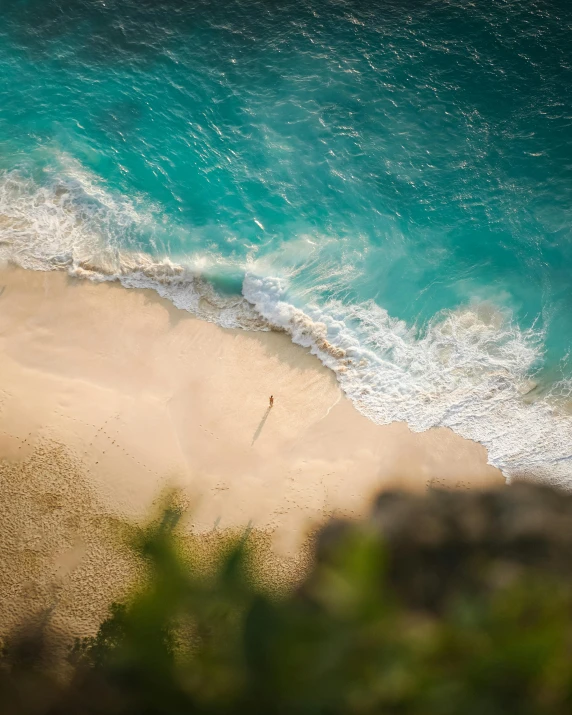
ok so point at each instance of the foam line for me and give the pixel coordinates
(471, 370)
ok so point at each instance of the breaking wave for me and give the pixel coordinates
(471, 370)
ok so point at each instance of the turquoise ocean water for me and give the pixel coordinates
(390, 182)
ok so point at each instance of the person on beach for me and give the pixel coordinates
(271, 400)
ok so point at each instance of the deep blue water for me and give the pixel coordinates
(400, 172)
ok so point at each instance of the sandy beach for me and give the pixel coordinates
(109, 395)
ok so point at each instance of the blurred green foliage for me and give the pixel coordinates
(358, 635)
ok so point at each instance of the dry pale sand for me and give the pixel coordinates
(109, 395)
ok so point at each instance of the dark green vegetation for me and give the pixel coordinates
(451, 603)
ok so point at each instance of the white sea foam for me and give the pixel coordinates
(470, 370)
(70, 223)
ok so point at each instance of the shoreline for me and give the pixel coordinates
(141, 395)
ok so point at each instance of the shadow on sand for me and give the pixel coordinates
(261, 425)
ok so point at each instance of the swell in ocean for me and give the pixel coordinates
(471, 369)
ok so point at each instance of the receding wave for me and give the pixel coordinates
(471, 370)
